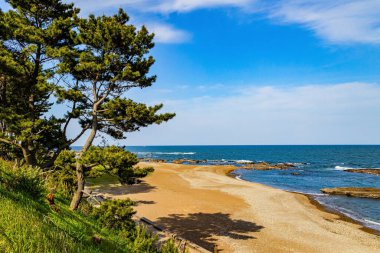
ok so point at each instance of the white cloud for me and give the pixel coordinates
(188, 5)
(314, 114)
(160, 5)
(168, 34)
(339, 21)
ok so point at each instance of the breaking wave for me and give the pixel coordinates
(347, 168)
(166, 153)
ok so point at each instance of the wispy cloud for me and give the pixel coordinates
(189, 5)
(166, 6)
(168, 34)
(165, 33)
(347, 113)
(339, 21)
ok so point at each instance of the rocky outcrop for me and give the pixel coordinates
(268, 166)
(365, 171)
(188, 161)
(373, 193)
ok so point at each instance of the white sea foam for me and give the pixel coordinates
(349, 213)
(316, 194)
(372, 222)
(243, 161)
(217, 161)
(165, 153)
(348, 168)
(297, 164)
(343, 168)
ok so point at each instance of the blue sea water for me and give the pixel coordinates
(318, 167)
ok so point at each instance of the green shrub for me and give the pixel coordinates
(169, 247)
(115, 214)
(85, 208)
(25, 179)
(96, 171)
(63, 178)
(141, 240)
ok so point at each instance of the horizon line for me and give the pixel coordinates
(241, 145)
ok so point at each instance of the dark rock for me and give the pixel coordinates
(268, 166)
(179, 161)
(365, 171)
(187, 161)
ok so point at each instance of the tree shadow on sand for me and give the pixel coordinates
(145, 202)
(117, 189)
(200, 227)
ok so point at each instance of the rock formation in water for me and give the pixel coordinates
(373, 193)
(268, 166)
(365, 171)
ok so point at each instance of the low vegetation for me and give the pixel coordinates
(28, 223)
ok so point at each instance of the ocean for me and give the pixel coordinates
(317, 167)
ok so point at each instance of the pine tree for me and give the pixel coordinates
(110, 58)
(31, 33)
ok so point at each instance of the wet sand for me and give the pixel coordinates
(202, 204)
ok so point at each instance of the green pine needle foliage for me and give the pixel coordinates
(116, 214)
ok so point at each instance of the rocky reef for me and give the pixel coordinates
(365, 171)
(373, 193)
(268, 166)
(188, 161)
(249, 165)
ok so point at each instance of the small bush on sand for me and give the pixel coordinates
(170, 247)
(141, 240)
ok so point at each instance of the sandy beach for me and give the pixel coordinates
(204, 205)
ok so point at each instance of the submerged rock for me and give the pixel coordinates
(373, 193)
(365, 171)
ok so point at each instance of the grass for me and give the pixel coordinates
(103, 180)
(28, 224)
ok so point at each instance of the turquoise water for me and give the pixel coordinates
(318, 167)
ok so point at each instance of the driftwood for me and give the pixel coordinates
(94, 199)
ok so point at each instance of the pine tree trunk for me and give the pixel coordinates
(80, 187)
(79, 167)
(29, 156)
(79, 170)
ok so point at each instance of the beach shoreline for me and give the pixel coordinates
(205, 205)
(317, 204)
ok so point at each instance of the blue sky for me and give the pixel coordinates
(259, 72)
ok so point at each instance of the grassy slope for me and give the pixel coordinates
(28, 225)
